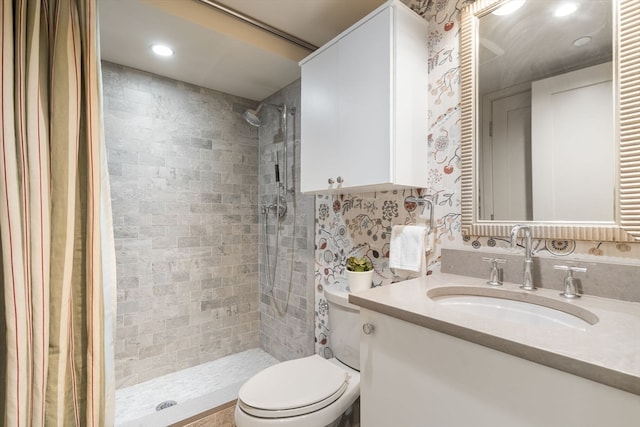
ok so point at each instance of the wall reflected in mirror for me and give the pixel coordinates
(545, 97)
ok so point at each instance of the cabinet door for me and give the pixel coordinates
(346, 110)
(393, 389)
(320, 147)
(364, 97)
(412, 376)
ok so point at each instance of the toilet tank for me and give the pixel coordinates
(344, 327)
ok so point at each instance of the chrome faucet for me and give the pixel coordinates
(494, 278)
(527, 280)
(569, 281)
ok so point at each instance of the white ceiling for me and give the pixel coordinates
(219, 52)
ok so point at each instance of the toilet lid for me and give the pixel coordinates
(293, 388)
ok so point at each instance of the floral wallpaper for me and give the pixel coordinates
(360, 224)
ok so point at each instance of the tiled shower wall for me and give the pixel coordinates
(289, 334)
(183, 167)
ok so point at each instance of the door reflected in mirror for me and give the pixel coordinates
(546, 119)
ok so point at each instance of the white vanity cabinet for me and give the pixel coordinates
(412, 376)
(364, 106)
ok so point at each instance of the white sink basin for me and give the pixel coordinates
(513, 306)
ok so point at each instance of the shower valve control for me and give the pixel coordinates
(339, 180)
(330, 181)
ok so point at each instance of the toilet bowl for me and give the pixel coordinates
(310, 391)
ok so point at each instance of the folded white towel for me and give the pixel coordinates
(407, 250)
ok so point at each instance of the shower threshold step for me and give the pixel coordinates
(195, 390)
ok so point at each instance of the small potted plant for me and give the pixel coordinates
(359, 273)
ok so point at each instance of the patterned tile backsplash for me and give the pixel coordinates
(360, 224)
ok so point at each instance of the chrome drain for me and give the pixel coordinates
(166, 404)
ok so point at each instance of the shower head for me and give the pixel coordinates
(251, 116)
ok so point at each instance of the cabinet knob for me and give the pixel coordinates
(368, 328)
(330, 181)
(339, 180)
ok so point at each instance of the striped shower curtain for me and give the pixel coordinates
(56, 252)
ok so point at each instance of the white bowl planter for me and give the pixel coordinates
(359, 280)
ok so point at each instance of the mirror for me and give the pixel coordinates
(550, 121)
(545, 108)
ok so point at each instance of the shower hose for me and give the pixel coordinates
(271, 277)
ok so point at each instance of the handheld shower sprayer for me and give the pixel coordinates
(279, 205)
(253, 118)
(283, 125)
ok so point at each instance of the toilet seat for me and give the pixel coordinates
(293, 388)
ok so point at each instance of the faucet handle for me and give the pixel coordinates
(494, 278)
(569, 281)
(494, 260)
(570, 269)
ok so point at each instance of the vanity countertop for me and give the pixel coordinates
(607, 352)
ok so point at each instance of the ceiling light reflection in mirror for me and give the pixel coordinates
(545, 113)
(565, 9)
(509, 7)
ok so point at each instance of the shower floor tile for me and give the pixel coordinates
(195, 390)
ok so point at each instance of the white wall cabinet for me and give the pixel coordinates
(364, 106)
(414, 377)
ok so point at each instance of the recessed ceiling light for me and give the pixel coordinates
(509, 7)
(162, 50)
(581, 41)
(565, 9)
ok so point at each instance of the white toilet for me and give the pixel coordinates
(311, 391)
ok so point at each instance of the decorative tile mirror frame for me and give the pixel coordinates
(626, 60)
